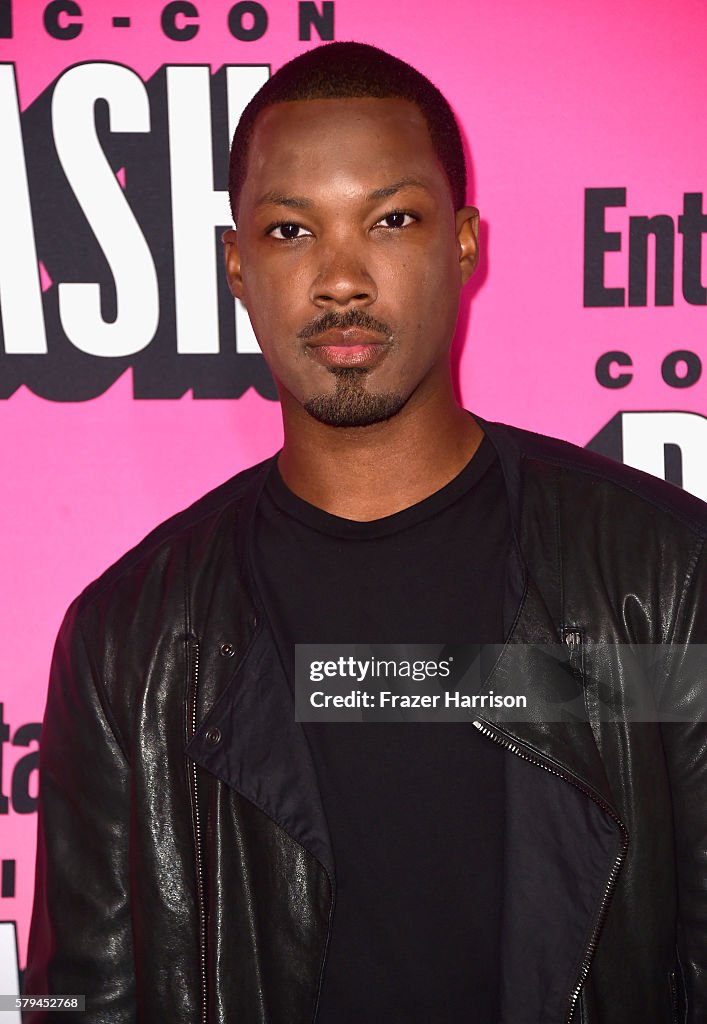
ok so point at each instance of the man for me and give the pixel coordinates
(202, 855)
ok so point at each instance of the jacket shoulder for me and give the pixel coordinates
(585, 472)
(203, 515)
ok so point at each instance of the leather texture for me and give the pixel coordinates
(184, 869)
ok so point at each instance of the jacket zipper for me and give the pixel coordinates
(573, 640)
(673, 997)
(677, 977)
(198, 846)
(326, 950)
(498, 736)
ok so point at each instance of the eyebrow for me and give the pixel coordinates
(301, 203)
(277, 199)
(390, 190)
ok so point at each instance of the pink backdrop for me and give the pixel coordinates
(555, 99)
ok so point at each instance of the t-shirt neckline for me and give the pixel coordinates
(324, 522)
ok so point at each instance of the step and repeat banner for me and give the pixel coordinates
(130, 381)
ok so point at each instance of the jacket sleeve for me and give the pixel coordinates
(80, 940)
(685, 743)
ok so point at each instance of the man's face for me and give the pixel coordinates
(349, 256)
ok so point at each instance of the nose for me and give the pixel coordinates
(343, 278)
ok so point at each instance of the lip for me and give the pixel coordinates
(348, 347)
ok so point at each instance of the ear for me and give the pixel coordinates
(467, 223)
(232, 261)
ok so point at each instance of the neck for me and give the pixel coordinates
(365, 473)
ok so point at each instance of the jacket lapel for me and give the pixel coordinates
(263, 753)
(260, 750)
(563, 843)
(535, 663)
(534, 659)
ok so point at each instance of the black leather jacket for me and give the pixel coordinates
(184, 870)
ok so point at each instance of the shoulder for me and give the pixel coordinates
(629, 548)
(214, 514)
(596, 481)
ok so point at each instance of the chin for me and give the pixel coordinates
(351, 405)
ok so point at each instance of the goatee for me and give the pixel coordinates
(351, 405)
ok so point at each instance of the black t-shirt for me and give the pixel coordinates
(415, 809)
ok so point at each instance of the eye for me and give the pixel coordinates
(397, 219)
(288, 232)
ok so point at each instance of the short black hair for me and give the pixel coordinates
(353, 71)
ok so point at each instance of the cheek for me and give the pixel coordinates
(273, 291)
(420, 271)
(422, 290)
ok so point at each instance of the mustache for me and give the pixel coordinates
(332, 320)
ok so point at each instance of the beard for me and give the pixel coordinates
(351, 405)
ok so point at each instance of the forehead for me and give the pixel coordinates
(320, 143)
